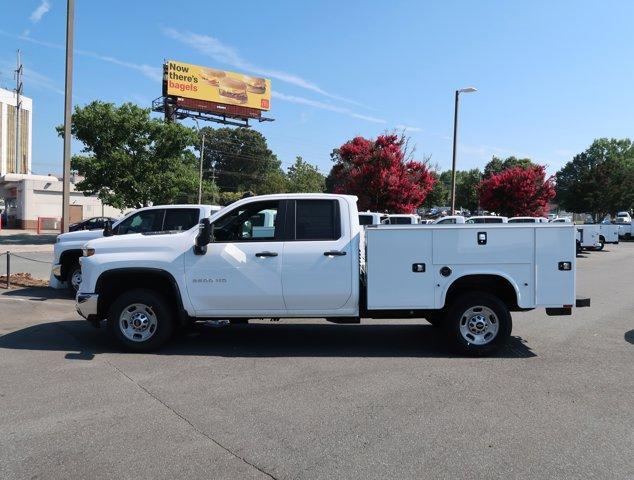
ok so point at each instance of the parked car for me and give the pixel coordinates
(372, 218)
(94, 223)
(449, 219)
(402, 219)
(623, 217)
(68, 246)
(487, 219)
(561, 220)
(467, 279)
(528, 220)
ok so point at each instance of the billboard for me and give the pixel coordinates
(219, 86)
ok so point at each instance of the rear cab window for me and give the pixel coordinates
(317, 220)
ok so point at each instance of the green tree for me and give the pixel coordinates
(241, 160)
(497, 165)
(467, 182)
(304, 177)
(599, 180)
(129, 159)
(440, 194)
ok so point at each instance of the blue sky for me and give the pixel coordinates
(551, 76)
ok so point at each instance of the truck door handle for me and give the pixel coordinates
(334, 253)
(266, 254)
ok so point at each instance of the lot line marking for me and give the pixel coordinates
(186, 420)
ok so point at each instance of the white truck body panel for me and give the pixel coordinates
(527, 256)
(610, 232)
(589, 235)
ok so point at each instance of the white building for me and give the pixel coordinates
(25, 197)
(29, 197)
(8, 102)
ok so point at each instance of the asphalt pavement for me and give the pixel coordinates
(309, 399)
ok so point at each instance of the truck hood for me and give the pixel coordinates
(138, 242)
(80, 235)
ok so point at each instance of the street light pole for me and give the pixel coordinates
(455, 143)
(200, 178)
(68, 105)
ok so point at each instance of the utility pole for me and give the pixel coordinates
(18, 109)
(455, 144)
(68, 105)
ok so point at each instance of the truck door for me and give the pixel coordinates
(318, 256)
(240, 274)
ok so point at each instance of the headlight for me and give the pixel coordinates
(88, 252)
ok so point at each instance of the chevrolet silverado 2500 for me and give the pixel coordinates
(316, 261)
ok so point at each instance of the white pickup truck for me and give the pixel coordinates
(67, 250)
(317, 261)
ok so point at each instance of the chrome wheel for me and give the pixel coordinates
(138, 322)
(479, 325)
(75, 279)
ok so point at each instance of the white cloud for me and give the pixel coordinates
(40, 11)
(214, 48)
(408, 128)
(324, 106)
(153, 73)
(32, 78)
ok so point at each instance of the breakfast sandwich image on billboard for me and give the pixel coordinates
(212, 76)
(233, 89)
(255, 84)
(219, 86)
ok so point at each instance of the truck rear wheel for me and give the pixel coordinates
(478, 323)
(601, 243)
(140, 321)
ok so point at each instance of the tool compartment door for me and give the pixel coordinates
(400, 274)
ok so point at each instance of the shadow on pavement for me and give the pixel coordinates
(38, 293)
(26, 239)
(259, 340)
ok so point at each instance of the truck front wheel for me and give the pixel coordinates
(140, 321)
(478, 323)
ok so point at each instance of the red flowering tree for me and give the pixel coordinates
(377, 172)
(517, 191)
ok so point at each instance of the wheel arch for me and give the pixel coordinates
(112, 283)
(498, 284)
(66, 259)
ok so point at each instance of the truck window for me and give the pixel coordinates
(180, 218)
(317, 220)
(142, 222)
(400, 221)
(249, 223)
(365, 219)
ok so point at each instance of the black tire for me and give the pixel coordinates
(73, 271)
(578, 247)
(601, 244)
(456, 316)
(157, 310)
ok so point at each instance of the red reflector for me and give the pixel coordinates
(567, 306)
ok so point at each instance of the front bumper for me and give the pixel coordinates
(86, 305)
(57, 271)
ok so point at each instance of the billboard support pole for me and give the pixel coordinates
(200, 178)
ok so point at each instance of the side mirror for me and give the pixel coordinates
(204, 237)
(107, 231)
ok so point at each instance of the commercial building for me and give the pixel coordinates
(29, 197)
(25, 197)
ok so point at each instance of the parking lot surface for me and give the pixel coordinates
(309, 399)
